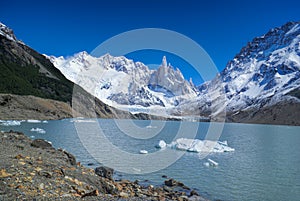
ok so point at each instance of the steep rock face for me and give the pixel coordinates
(268, 66)
(7, 33)
(171, 80)
(26, 72)
(31, 107)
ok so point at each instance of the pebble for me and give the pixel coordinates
(124, 195)
(4, 174)
(41, 186)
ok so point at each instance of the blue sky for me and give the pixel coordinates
(222, 28)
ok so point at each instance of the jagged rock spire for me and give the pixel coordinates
(164, 61)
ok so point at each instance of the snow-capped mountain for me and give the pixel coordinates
(264, 73)
(8, 33)
(123, 83)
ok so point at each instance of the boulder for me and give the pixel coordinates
(40, 143)
(193, 192)
(105, 172)
(171, 182)
(71, 158)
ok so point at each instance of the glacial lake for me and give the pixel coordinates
(264, 166)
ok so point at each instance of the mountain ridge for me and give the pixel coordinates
(121, 82)
(32, 87)
(259, 77)
(258, 85)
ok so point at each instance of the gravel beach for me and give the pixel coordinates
(34, 170)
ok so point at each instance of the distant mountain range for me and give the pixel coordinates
(27, 75)
(125, 84)
(261, 84)
(265, 74)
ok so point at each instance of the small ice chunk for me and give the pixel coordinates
(38, 130)
(85, 121)
(33, 121)
(161, 144)
(136, 170)
(225, 143)
(149, 126)
(143, 151)
(212, 163)
(45, 121)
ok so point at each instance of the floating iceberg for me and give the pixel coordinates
(149, 126)
(212, 163)
(143, 151)
(38, 130)
(45, 122)
(33, 121)
(81, 120)
(10, 123)
(195, 145)
(161, 144)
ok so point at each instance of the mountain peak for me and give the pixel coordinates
(267, 66)
(7, 32)
(262, 48)
(164, 61)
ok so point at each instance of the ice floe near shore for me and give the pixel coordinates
(196, 145)
(18, 122)
(38, 130)
(33, 121)
(10, 123)
(82, 120)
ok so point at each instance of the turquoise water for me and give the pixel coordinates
(264, 166)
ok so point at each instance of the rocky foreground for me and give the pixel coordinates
(33, 169)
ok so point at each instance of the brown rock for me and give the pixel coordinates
(21, 163)
(71, 158)
(40, 143)
(193, 192)
(19, 156)
(105, 172)
(4, 174)
(45, 174)
(171, 182)
(124, 195)
(92, 193)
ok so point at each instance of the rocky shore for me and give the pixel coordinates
(34, 170)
